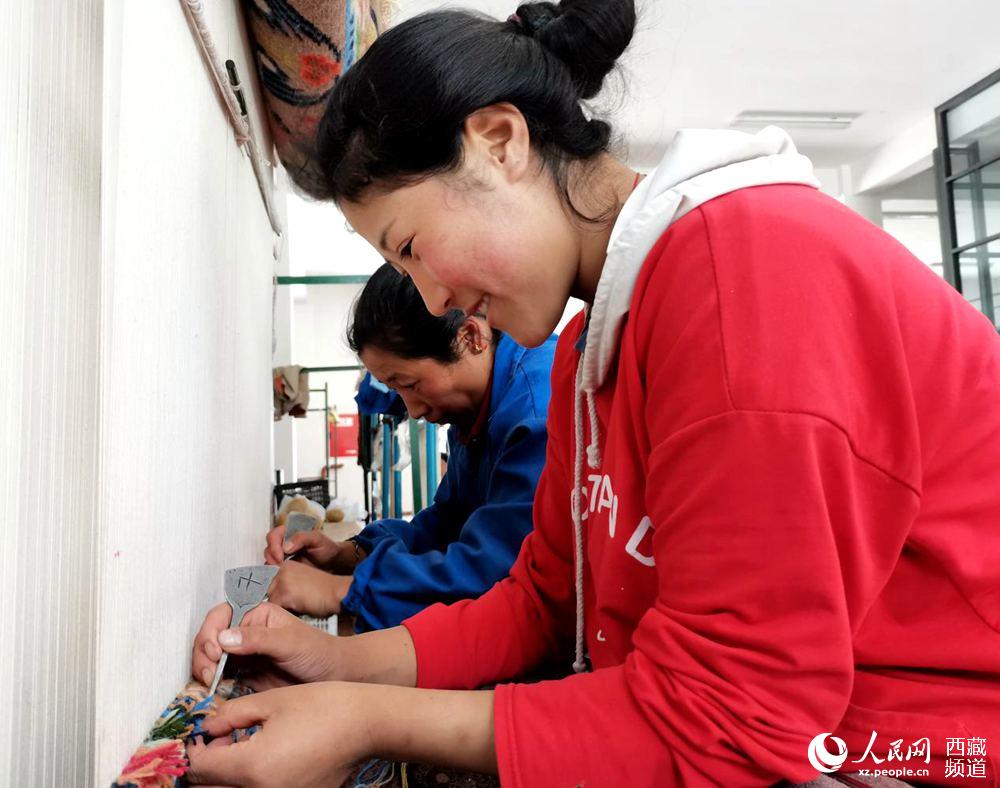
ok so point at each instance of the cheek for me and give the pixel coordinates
(438, 396)
(444, 271)
(470, 253)
(496, 267)
(442, 259)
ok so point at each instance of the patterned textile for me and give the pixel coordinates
(161, 760)
(301, 47)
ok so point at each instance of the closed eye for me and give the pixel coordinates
(397, 268)
(407, 251)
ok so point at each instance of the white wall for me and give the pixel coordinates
(135, 309)
(321, 242)
(186, 344)
(50, 146)
(320, 321)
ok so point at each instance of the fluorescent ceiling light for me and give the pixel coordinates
(800, 120)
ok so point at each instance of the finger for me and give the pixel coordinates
(203, 670)
(221, 741)
(275, 643)
(296, 542)
(273, 553)
(261, 682)
(220, 766)
(307, 540)
(206, 652)
(239, 713)
(279, 593)
(266, 614)
(199, 666)
(204, 658)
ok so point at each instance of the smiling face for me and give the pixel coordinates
(492, 238)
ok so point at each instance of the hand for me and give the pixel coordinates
(289, 650)
(312, 548)
(306, 589)
(309, 736)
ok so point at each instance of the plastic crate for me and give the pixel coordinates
(314, 489)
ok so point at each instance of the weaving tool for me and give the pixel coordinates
(246, 587)
(297, 523)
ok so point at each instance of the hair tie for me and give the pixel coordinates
(516, 20)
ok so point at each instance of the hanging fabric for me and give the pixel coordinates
(302, 46)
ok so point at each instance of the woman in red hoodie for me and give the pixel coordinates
(766, 537)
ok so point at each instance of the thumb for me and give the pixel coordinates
(303, 540)
(266, 641)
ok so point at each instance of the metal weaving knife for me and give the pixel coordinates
(246, 587)
(297, 523)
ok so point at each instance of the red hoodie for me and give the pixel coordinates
(794, 529)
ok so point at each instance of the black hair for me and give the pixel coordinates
(390, 315)
(396, 116)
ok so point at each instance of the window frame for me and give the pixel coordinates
(951, 250)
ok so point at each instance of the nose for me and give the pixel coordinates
(437, 298)
(414, 406)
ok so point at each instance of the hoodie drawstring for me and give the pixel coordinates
(579, 664)
(576, 496)
(594, 449)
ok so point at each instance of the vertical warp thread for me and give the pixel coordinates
(50, 85)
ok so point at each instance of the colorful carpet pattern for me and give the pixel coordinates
(161, 760)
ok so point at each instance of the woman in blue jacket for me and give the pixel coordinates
(494, 393)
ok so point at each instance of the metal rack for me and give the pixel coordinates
(326, 435)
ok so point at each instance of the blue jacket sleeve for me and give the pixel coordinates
(394, 583)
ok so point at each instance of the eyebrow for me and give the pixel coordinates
(384, 240)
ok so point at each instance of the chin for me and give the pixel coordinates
(532, 339)
(523, 333)
(530, 335)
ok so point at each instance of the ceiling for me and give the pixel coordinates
(701, 62)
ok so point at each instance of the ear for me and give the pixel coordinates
(474, 335)
(498, 136)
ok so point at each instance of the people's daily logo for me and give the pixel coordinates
(965, 757)
(821, 758)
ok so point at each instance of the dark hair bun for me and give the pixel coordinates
(587, 35)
